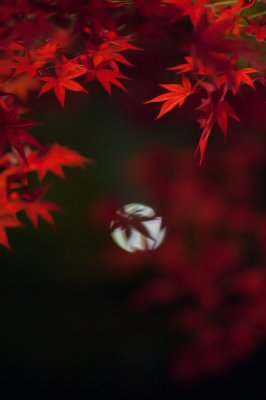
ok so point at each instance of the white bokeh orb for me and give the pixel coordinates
(136, 227)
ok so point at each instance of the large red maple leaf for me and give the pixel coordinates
(65, 72)
(176, 95)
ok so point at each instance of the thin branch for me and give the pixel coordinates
(256, 15)
(221, 3)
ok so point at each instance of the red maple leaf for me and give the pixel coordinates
(236, 77)
(53, 159)
(48, 51)
(222, 112)
(65, 71)
(34, 206)
(13, 131)
(195, 10)
(213, 110)
(186, 67)
(122, 43)
(110, 50)
(176, 95)
(191, 65)
(24, 64)
(37, 207)
(108, 76)
(7, 221)
(103, 73)
(258, 29)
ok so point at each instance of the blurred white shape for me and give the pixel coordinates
(136, 227)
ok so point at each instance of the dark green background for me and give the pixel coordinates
(66, 328)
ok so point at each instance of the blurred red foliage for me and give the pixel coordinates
(211, 268)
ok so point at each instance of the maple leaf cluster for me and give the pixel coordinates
(16, 193)
(22, 154)
(63, 45)
(219, 62)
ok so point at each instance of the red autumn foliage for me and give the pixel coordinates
(16, 195)
(64, 45)
(65, 72)
(176, 95)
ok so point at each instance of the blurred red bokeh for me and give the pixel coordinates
(211, 267)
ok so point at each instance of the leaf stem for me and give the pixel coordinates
(256, 15)
(221, 3)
